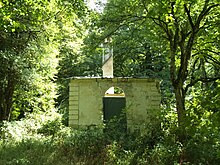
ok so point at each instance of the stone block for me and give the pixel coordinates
(74, 117)
(73, 122)
(74, 112)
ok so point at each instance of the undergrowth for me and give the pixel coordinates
(42, 139)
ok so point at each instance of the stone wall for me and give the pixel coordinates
(86, 100)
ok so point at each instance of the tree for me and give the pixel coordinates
(186, 30)
(30, 37)
(21, 23)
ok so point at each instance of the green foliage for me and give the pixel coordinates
(169, 40)
(72, 61)
(23, 80)
(33, 34)
(51, 127)
(47, 41)
(27, 58)
(203, 147)
(27, 152)
(38, 123)
(42, 139)
(203, 125)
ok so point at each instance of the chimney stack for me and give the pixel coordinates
(107, 59)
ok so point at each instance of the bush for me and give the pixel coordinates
(203, 146)
(30, 140)
(35, 125)
(42, 139)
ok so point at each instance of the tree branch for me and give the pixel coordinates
(212, 59)
(204, 12)
(145, 7)
(189, 16)
(204, 80)
(209, 50)
(163, 25)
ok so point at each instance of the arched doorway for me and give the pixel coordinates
(114, 103)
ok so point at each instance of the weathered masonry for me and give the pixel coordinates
(86, 100)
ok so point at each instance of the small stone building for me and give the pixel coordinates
(86, 100)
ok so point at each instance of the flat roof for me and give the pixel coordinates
(115, 78)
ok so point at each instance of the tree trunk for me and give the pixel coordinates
(9, 96)
(3, 113)
(5, 109)
(6, 99)
(180, 107)
(2, 107)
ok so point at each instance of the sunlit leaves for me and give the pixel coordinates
(23, 15)
(31, 35)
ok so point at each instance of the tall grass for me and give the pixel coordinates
(42, 139)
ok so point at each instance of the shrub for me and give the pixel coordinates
(32, 126)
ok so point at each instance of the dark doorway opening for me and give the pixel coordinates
(114, 115)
